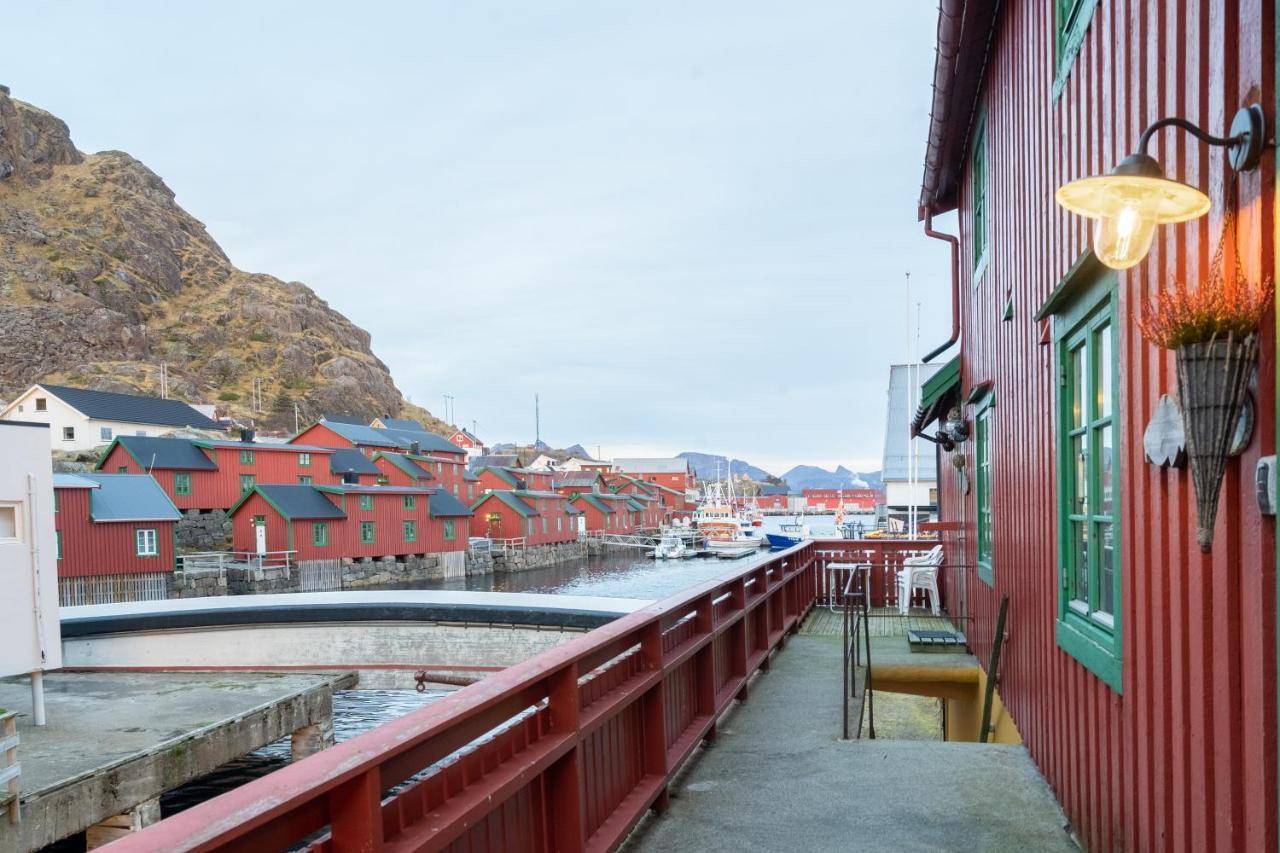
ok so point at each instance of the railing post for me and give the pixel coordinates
(655, 714)
(355, 814)
(740, 637)
(705, 662)
(565, 776)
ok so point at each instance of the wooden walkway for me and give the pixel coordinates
(884, 622)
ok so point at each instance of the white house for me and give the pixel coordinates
(910, 465)
(543, 462)
(80, 419)
(30, 638)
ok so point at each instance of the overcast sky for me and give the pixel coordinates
(685, 224)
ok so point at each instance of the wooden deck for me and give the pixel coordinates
(884, 622)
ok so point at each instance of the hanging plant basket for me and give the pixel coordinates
(1213, 332)
(1213, 385)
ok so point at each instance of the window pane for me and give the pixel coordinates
(1104, 443)
(1076, 377)
(1106, 572)
(1080, 559)
(1103, 368)
(1080, 457)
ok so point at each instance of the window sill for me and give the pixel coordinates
(1092, 648)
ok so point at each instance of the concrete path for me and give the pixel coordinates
(778, 778)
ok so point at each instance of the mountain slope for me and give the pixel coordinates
(103, 278)
(708, 466)
(812, 477)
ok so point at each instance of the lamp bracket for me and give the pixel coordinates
(1244, 145)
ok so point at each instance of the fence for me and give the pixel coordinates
(503, 547)
(220, 561)
(113, 589)
(319, 575)
(565, 751)
(10, 769)
(883, 557)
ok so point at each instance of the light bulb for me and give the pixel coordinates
(1123, 238)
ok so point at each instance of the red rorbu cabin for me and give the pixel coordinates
(113, 524)
(541, 518)
(851, 500)
(1139, 670)
(675, 473)
(577, 482)
(346, 521)
(773, 498)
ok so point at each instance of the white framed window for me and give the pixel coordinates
(146, 542)
(42, 405)
(10, 523)
(68, 433)
(104, 433)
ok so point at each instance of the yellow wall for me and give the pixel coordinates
(964, 716)
(962, 690)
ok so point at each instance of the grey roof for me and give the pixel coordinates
(402, 423)
(365, 489)
(131, 408)
(427, 441)
(346, 419)
(73, 481)
(775, 490)
(129, 497)
(673, 465)
(407, 465)
(296, 502)
(361, 434)
(281, 446)
(444, 505)
(572, 479)
(349, 460)
(903, 380)
(495, 460)
(154, 453)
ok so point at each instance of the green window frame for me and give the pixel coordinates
(247, 482)
(368, 532)
(366, 502)
(57, 536)
(304, 460)
(1089, 571)
(982, 423)
(448, 530)
(182, 483)
(1071, 19)
(320, 533)
(57, 501)
(246, 457)
(978, 195)
(146, 542)
(409, 501)
(411, 531)
(123, 469)
(304, 479)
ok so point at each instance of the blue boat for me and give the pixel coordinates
(779, 541)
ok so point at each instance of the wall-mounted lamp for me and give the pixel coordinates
(1130, 202)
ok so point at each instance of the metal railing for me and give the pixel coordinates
(565, 751)
(502, 547)
(220, 561)
(857, 641)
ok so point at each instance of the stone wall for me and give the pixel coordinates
(479, 563)
(537, 556)
(203, 531)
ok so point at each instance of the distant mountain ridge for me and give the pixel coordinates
(812, 477)
(708, 466)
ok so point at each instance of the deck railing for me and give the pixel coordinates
(565, 751)
(885, 556)
(220, 561)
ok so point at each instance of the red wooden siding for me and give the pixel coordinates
(105, 548)
(1184, 758)
(513, 526)
(206, 491)
(833, 499)
(771, 501)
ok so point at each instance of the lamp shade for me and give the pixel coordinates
(1127, 205)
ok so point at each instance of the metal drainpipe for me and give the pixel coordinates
(955, 285)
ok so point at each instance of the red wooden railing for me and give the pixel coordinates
(565, 751)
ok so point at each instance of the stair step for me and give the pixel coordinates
(936, 642)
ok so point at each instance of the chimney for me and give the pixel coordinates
(415, 448)
(350, 478)
(246, 434)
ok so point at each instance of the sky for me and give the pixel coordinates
(684, 226)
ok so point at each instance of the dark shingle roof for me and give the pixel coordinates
(405, 464)
(775, 490)
(510, 500)
(131, 408)
(427, 441)
(129, 497)
(296, 502)
(347, 459)
(573, 480)
(361, 434)
(402, 423)
(445, 505)
(180, 454)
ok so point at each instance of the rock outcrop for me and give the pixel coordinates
(104, 278)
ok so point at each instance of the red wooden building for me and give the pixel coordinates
(492, 478)
(112, 524)
(540, 518)
(675, 473)
(577, 482)
(201, 474)
(349, 521)
(830, 500)
(467, 442)
(1139, 671)
(773, 498)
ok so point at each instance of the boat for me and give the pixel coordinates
(791, 534)
(723, 527)
(670, 547)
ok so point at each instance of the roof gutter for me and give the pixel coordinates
(955, 285)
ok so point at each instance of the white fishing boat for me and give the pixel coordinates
(670, 547)
(723, 526)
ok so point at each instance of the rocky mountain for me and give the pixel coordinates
(104, 278)
(812, 477)
(708, 466)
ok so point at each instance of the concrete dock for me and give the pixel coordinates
(756, 791)
(116, 741)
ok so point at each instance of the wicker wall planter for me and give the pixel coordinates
(1213, 387)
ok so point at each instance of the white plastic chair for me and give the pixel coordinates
(920, 573)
